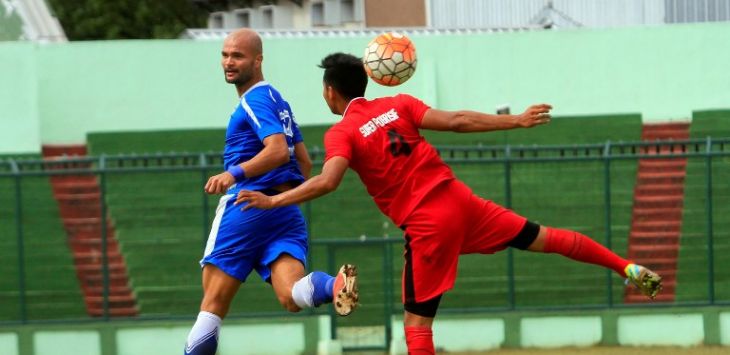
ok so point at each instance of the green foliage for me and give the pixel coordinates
(127, 19)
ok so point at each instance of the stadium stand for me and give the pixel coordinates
(692, 275)
(90, 236)
(155, 211)
(51, 287)
(657, 210)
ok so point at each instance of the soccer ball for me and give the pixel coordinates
(390, 59)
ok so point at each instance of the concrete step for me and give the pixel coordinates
(654, 239)
(75, 211)
(665, 131)
(114, 312)
(663, 297)
(95, 256)
(79, 206)
(87, 226)
(91, 244)
(98, 291)
(671, 227)
(659, 189)
(639, 236)
(663, 201)
(667, 286)
(59, 164)
(664, 127)
(646, 252)
(79, 198)
(114, 301)
(664, 134)
(673, 163)
(96, 279)
(654, 213)
(660, 265)
(651, 178)
(54, 150)
(661, 169)
(76, 187)
(112, 267)
(70, 179)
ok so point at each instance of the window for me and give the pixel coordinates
(215, 20)
(242, 18)
(347, 11)
(317, 14)
(267, 17)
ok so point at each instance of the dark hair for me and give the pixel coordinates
(345, 73)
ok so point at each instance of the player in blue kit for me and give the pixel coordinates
(263, 152)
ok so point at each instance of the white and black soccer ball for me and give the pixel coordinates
(390, 59)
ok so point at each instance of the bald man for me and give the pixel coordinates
(264, 152)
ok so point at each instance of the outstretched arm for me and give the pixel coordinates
(322, 184)
(472, 121)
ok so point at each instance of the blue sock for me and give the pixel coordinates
(322, 288)
(205, 347)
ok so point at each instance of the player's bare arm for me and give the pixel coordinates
(302, 156)
(472, 121)
(322, 184)
(274, 154)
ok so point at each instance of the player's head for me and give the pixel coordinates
(242, 55)
(344, 78)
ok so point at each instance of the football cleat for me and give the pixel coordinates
(344, 290)
(647, 281)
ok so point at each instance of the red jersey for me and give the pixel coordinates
(381, 140)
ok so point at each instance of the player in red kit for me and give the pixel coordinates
(441, 217)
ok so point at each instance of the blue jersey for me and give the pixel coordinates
(261, 113)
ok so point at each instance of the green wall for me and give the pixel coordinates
(63, 91)
(19, 120)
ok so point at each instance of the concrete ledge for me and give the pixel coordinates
(329, 347)
(76, 342)
(555, 332)
(665, 330)
(9, 343)
(725, 328)
(153, 340)
(285, 338)
(468, 335)
(234, 339)
(456, 335)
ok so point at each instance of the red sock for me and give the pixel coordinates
(419, 341)
(579, 247)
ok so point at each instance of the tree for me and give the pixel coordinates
(127, 19)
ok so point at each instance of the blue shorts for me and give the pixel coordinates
(241, 241)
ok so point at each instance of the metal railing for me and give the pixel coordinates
(709, 152)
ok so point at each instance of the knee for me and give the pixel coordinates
(216, 304)
(288, 303)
